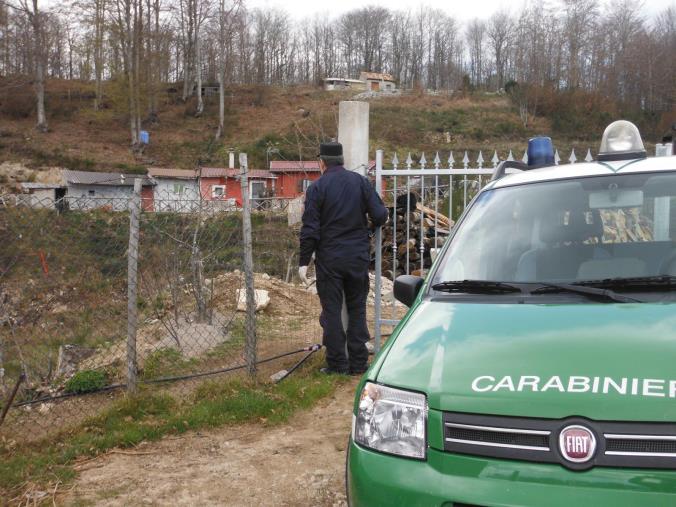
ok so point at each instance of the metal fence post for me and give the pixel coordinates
(250, 345)
(132, 276)
(379, 252)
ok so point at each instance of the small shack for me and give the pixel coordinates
(175, 189)
(341, 83)
(294, 176)
(89, 190)
(43, 195)
(378, 82)
(223, 184)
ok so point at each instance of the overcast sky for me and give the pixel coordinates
(460, 9)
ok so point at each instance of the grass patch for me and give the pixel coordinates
(86, 381)
(152, 415)
(166, 362)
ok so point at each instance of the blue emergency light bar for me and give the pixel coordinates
(540, 152)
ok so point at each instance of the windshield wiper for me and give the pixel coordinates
(590, 292)
(476, 287)
(633, 283)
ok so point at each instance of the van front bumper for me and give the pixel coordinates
(445, 480)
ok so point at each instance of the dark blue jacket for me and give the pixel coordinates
(335, 226)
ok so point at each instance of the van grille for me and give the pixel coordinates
(498, 437)
(635, 445)
(630, 445)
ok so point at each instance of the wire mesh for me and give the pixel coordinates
(63, 302)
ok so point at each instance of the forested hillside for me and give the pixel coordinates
(203, 76)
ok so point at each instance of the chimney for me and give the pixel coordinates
(231, 162)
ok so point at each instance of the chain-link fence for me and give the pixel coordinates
(73, 278)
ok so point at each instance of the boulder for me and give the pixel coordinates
(295, 210)
(69, 358)
(262, 298)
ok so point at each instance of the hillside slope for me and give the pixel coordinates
(287, 123)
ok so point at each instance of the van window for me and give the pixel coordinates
(568, 230)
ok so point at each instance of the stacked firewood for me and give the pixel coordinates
(433, 224)
(628, 226)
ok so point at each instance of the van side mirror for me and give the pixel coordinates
(406, 288)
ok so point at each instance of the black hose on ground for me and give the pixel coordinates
(312, 349)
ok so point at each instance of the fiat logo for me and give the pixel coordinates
(577, 444)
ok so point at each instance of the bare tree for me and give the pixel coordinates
(127, 20)
(226, 19)
(475, 35)
(612, 49)
(499, 32)
(35, 17)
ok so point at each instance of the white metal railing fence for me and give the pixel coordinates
(432, 183)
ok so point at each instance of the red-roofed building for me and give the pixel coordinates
(294, 176)
(221, 184)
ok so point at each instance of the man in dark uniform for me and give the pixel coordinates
(335, 228)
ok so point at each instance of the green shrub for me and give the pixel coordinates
(86, 381)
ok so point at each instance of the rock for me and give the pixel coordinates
(276, 377)
(295, 209)
(261, 296)
(59, 308)
(386, 290)
(192, 338)
(45, 407)
(265, 276)
(69, 358)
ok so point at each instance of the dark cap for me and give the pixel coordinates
(330, 150)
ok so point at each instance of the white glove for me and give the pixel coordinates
(302, 273)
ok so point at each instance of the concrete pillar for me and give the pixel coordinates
(353, 134)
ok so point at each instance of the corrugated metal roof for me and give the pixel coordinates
(294, 166)
(308, 166)
(346, 80)
(166, 172)
(101, 178)
(40, 186)
(224, 172)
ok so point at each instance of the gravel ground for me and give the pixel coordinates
(299, 463)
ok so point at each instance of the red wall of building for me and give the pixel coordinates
(233, 188)
(287, 184)
(147, 198)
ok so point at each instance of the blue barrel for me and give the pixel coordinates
(144, 137)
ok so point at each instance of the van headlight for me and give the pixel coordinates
(391, 420)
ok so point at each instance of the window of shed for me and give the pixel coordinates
(218, 191)
(303, 185)
(179, 188)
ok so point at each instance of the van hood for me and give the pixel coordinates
(601, 361)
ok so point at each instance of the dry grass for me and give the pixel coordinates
(292, 119)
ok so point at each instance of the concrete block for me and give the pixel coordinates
(353, 134)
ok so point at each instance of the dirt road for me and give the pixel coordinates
(299, 463)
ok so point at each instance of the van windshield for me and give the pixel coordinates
(568, 231)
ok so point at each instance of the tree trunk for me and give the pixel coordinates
(39, 68)
(221, 102)
(99, 19)
(198, 74)
(40, 95)
(130, 71)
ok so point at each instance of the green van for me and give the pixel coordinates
(537, 363)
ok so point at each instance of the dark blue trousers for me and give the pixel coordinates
(351, 279)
